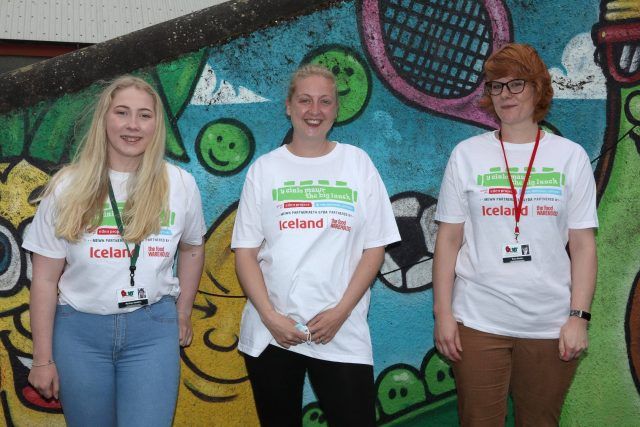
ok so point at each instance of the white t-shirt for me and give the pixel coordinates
(97, 267)
(312, 218)
(528, 299)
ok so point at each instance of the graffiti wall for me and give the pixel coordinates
(409, 75)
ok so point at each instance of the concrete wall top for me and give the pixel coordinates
(208, 27)
(87, 21)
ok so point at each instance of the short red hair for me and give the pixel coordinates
(520, 61)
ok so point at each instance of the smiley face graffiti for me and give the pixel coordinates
(353, 79)
(225, 146)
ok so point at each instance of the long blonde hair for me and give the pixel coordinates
(79, 205)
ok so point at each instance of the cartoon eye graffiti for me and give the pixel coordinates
(407, 265)
(11, 259)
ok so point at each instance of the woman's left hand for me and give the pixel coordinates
(184, 325)
(573, 338)
(325, 325)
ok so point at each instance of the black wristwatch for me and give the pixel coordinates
(581, 314)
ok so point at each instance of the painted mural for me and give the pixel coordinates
(409, 73)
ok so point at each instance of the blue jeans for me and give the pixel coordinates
(118, 369)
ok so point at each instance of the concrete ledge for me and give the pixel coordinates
(149, 46)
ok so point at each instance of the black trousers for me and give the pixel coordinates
(345, 391)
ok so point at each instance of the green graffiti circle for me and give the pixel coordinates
(437, 374)
(399, 388)
(352, 78)
(225, 146)
(632, 108)
(312, 416)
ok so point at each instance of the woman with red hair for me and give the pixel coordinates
(511, 305)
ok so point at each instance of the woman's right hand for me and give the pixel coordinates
(447, 337)
(283, 329)
(45, 380)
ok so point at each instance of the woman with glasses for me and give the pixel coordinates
(515, 258)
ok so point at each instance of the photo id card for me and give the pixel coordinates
(516, 252)
(132, 296)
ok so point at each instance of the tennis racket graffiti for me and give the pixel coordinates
(431, 52)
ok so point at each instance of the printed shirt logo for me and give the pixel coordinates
(308, 205)
(109, 219)
(107, 243)
(544, 189)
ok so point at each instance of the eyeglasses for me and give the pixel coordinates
(495, 88)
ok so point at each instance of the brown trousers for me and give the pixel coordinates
(494, 365)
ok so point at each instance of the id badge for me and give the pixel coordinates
(132, 296)
(516, 252)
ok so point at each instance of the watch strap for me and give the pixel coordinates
(581, 314)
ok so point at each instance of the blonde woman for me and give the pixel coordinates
(107, 314)
(313, 220)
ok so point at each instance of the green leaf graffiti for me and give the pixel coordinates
(52, 130)
(178, 79)
(11, 134)
(175, 82)
(57, 134)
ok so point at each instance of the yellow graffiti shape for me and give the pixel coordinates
(16, 187)
(214, 389)
(622, 9)
(22, 406)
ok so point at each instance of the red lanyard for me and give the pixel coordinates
(517, 205)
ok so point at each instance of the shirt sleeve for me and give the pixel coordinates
(41, 236)
(451, 206)
(247, 229)
(194, 227)
(582, 211)
(381, 227)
